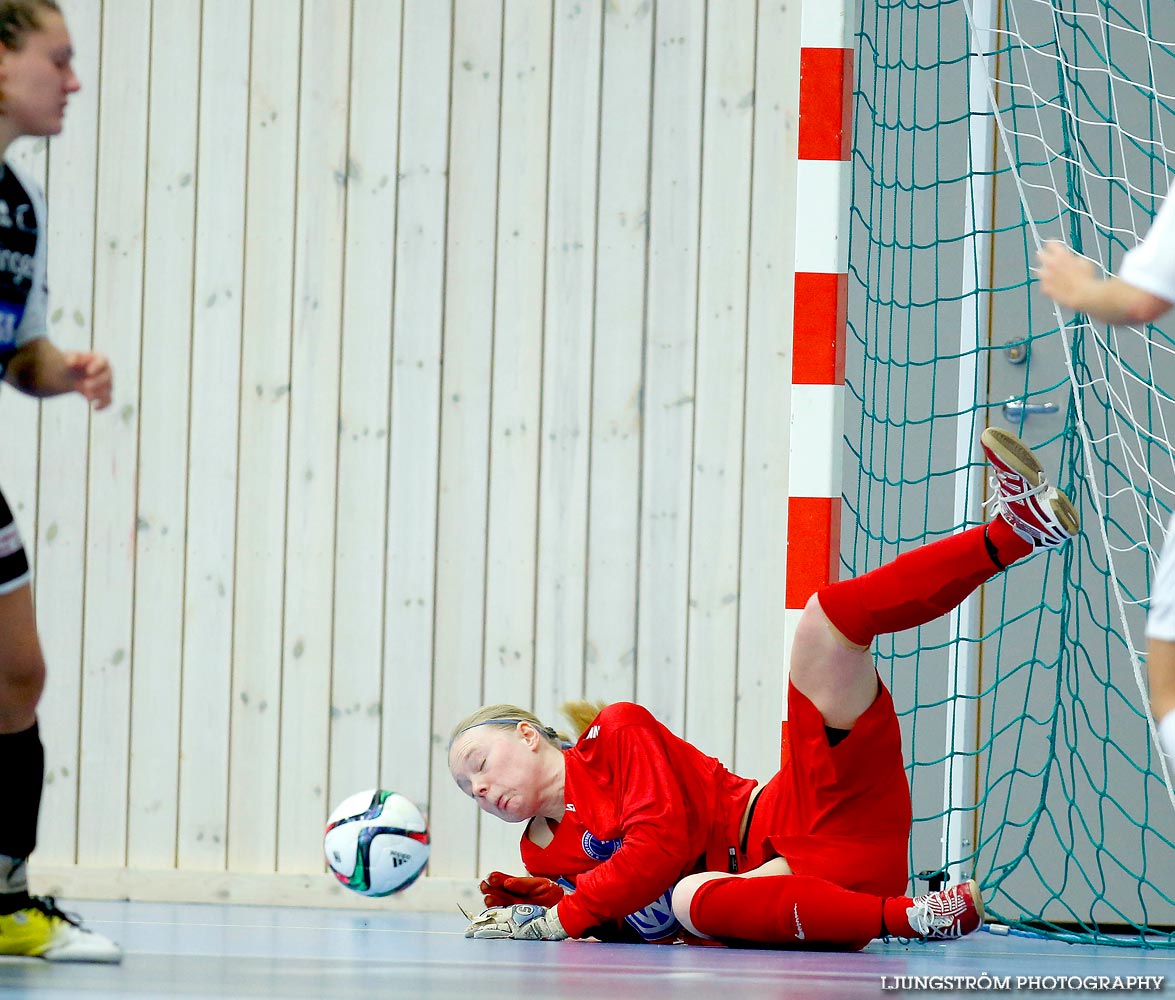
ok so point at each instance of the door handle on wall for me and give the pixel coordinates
(1016, 410)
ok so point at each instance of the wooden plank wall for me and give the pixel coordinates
(451, 345)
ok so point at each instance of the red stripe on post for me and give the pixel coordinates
(813, 546)
(818, 328)
(826, 93)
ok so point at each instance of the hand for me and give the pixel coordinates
(500, 889)
(1065, 277)
(522, 922)
(91, 376)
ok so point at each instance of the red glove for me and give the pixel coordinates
(506, 890)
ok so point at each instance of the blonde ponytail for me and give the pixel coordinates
(580, 713)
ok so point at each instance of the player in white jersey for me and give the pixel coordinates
(36, 80)
(1141, 292)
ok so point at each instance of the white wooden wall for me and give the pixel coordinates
(451, 346)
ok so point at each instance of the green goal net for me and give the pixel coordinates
(980, 131)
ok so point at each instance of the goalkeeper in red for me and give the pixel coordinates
(633, 830)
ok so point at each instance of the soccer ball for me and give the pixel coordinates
(376, 842)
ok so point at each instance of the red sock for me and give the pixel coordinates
(784, 909)
(896, 921)
(1009, 546)
(921, 585)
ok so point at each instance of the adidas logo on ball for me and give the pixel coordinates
(376, 842)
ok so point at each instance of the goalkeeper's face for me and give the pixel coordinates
(512, 773)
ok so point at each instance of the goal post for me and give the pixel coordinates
(980, 129)
(820, 295)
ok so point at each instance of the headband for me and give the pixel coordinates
(547, 731)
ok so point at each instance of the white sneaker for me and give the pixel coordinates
(43, 931)
(948, 913)
(1021, 494)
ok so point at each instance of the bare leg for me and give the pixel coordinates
(836, 674)
(22, 666)
(1160, 666)
(28, 925)
(22, 678)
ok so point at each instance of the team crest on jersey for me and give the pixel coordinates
(597, 849)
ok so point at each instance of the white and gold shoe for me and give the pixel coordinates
(1022, 495)
(947, 913)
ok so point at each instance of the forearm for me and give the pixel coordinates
(1073, 281)
(1115, 301)
(617, 889)
(39, 369)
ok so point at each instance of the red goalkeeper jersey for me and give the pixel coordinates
(644, 808)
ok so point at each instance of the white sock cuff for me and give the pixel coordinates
(1167, 738)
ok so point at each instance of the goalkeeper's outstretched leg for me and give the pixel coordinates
(831, 664)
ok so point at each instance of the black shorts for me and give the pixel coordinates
(14, 564)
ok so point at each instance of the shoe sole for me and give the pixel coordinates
(1065, 513)
(977, 899)
(1020, 458)
(1012, 452)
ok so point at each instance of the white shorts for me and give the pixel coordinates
(1160, 621)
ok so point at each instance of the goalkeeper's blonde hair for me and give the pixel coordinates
(504, 716)
(580, 713)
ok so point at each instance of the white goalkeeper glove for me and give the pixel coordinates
(522, 922)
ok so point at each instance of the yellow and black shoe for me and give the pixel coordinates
(41, 930)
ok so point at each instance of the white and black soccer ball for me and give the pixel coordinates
(376, 842)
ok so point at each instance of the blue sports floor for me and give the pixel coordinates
(208, 951)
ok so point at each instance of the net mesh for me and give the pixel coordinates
(978, 134)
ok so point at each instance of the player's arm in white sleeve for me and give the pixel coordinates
(1140, 293)
(1073, 282)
